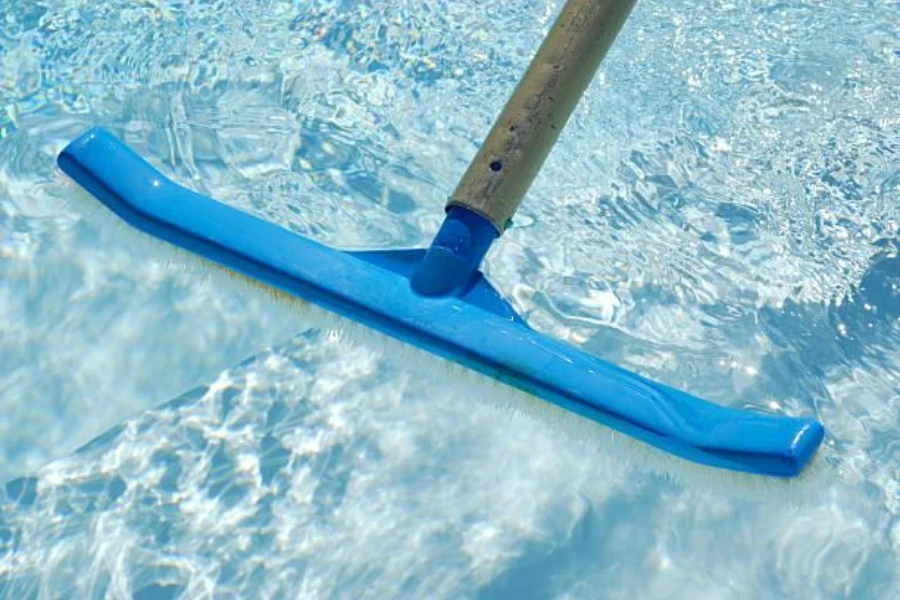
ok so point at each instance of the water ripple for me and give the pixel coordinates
(721, 213)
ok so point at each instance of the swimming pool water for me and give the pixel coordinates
(721, 213)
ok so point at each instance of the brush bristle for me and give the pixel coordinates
(601, 444)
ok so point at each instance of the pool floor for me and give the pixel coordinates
(721, 213)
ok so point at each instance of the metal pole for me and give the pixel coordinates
(526, 130)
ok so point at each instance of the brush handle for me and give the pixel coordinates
(525, 132)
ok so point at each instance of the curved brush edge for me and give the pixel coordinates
(484, 334)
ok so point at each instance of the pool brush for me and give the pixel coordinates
(436, 298)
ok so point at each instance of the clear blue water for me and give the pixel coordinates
(721, 213)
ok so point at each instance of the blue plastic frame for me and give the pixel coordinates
(471, 325)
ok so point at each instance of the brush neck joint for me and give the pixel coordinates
(451, 263)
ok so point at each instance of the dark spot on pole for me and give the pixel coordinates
(496, 166)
